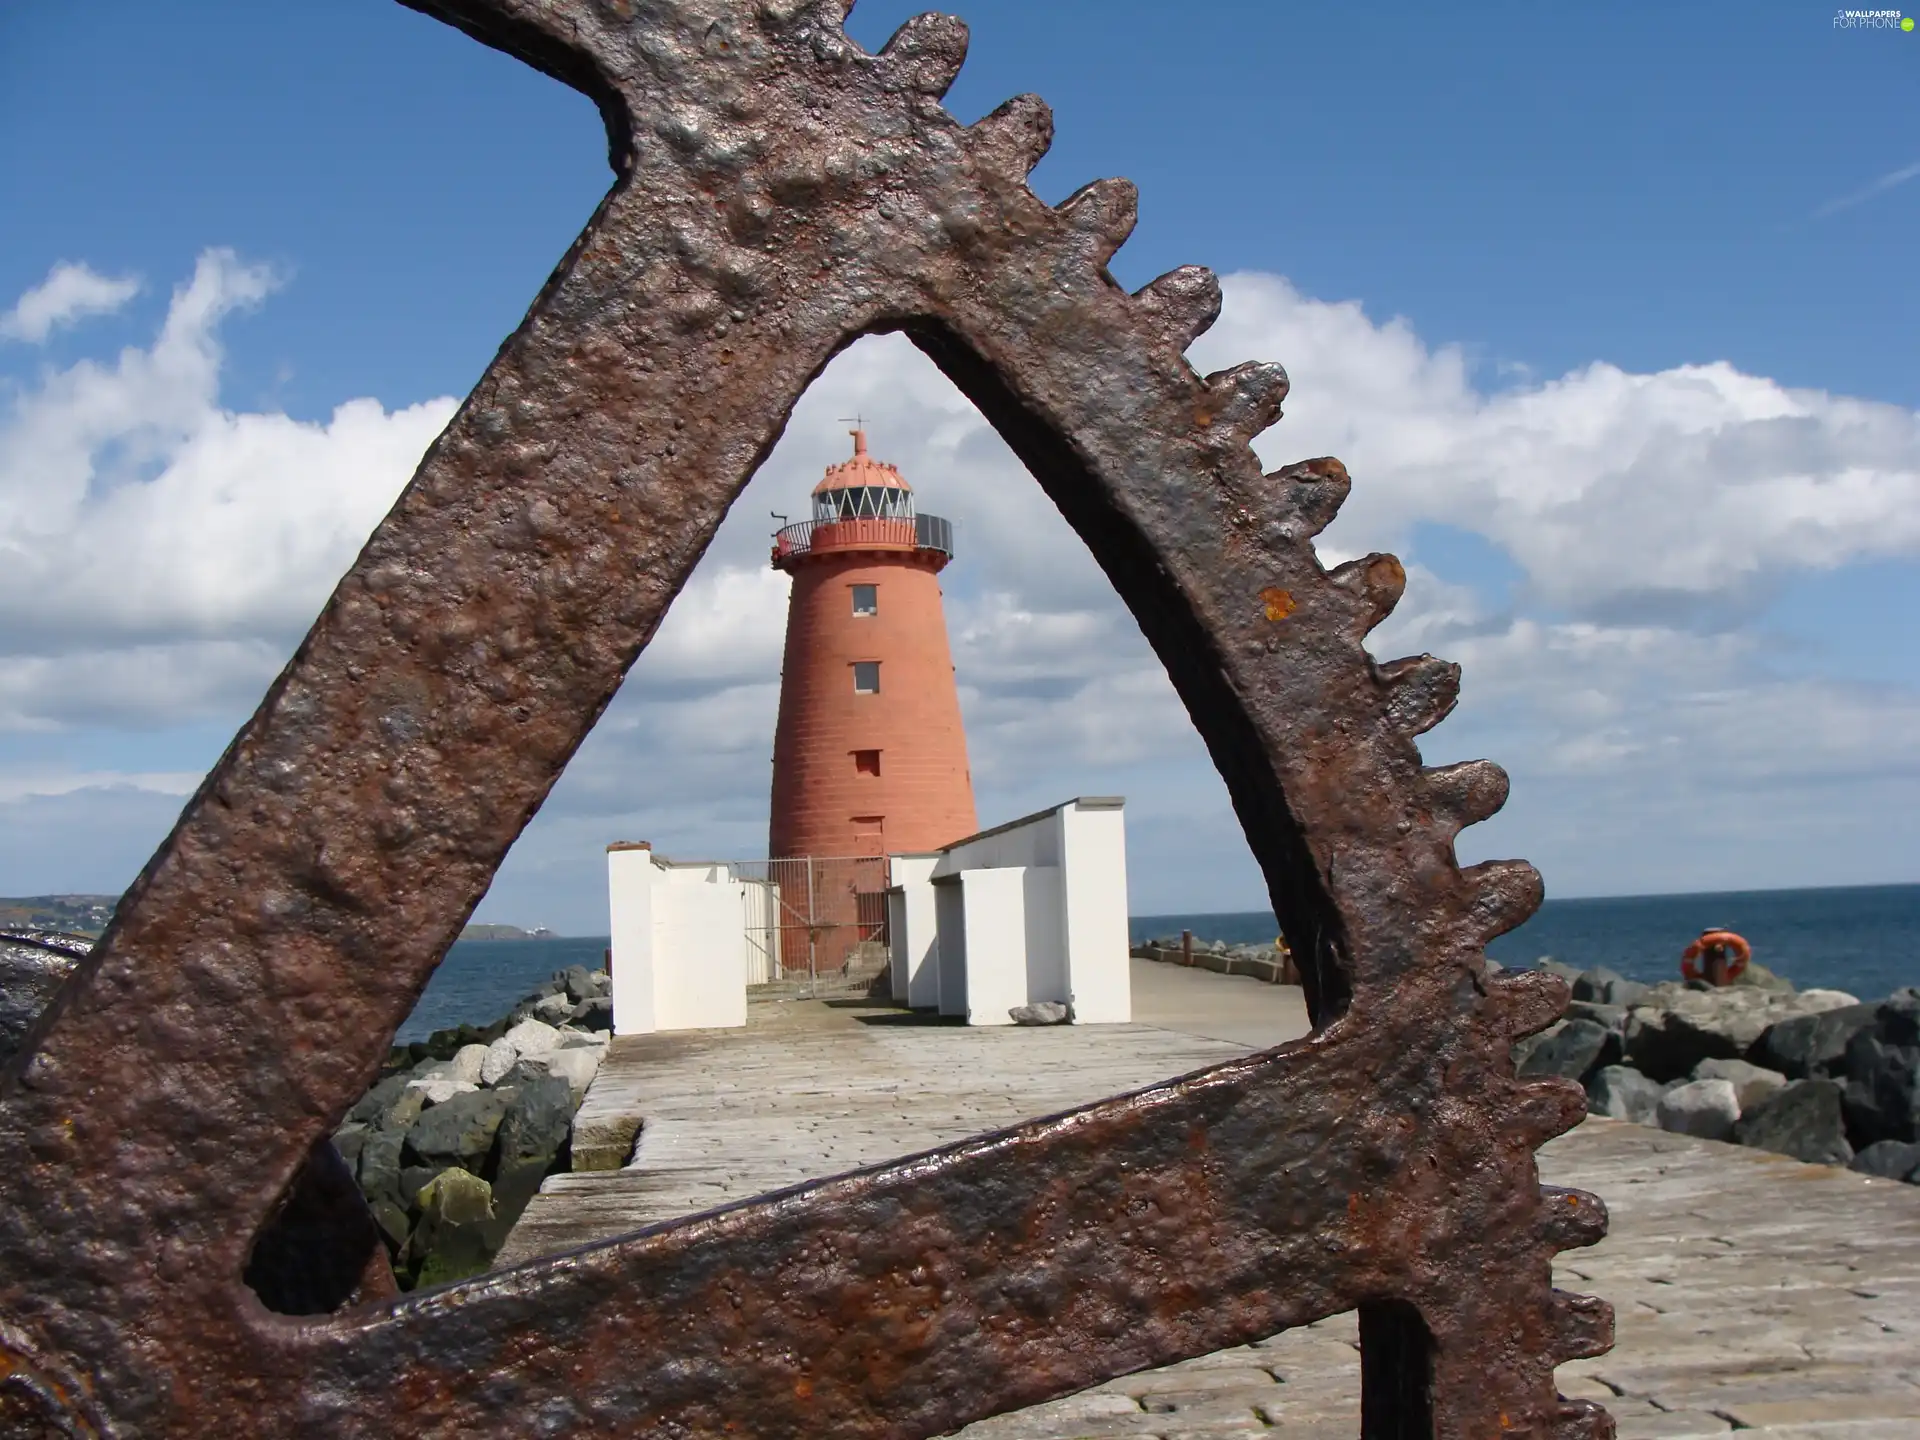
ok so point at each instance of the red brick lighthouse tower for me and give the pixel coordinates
(869, 757)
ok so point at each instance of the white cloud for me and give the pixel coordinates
(91, 840)
(24, 782)
(1622, 683)
(1892, 180)
(1673, 496)
(136, 686)
(69, 293)
(159, 554)
(726, 628)
(1650, 757)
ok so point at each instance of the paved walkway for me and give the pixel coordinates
(1752, 1292)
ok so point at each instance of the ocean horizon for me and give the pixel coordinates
(1864, 939)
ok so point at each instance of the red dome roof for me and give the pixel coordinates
(862, 469)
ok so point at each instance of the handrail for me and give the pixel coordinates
(921, 532)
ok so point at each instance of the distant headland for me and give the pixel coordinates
(88, 915)
(65, 914)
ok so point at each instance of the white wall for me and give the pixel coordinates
(1044, 972)
(1093, 899)
(913, 931)
(630, 904)
(995, 967)
(1030, 840)
(950, 949)
(897, 948)
(679, 943)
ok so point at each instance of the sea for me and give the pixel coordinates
(1861, 939)
(480, 980)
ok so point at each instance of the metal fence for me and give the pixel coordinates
(924, 532)
(814, 917)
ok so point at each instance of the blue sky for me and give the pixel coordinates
(1531, 191)
(1542, 183)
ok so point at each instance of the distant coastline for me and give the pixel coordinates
(65, 914)
(88, 915)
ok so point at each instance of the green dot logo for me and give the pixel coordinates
(1907, 24)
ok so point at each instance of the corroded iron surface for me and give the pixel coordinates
(778, 193)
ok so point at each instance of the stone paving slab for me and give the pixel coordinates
(1765, 1294)
(809, 1090)
(1752, 1293)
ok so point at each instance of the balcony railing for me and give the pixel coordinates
(921, 532)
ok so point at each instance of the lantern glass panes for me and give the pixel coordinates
(863, 502)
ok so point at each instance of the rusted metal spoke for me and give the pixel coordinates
(778, 192)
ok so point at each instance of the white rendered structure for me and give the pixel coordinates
(1032, 910)
(680, 952)
(911, 929)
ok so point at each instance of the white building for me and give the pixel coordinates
(1032, 910)
(680, 951)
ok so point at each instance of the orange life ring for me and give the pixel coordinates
(1736, 950)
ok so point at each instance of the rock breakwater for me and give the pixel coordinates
(1818, 1075)
(456, 1136)
(1269, 963)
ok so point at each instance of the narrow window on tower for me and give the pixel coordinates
(866, 599)
(866, 762)
(866, 677)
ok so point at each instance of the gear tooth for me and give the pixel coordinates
(1571, 1219)
(1245, 400)
(1582, 1326)
(1581, 1420)
(926, 53)
(1421, 691)
(1544, 1106)
(1377, 581)
(1466, 793)
(1525, 1002)
(1506, 892)
(1182, 304)
(832, 12)
(1313, 492)
(1013, 138)
(1104, 211)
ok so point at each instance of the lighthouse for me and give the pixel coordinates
(869, 755)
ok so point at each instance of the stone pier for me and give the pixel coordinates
(1753, 1293)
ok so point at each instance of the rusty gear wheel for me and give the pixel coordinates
(778, 193)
